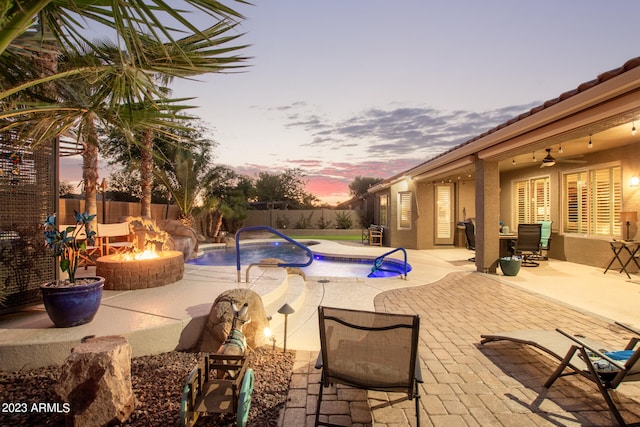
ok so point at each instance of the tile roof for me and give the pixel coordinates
(601, 78)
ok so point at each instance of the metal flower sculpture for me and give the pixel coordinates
(71, 243)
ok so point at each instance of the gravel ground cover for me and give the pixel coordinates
(157, 385)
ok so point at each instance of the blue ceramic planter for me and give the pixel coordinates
(72, 306)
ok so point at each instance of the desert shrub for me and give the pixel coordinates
(323, 224)
(304, 222)
(282, 222)
(344, 220)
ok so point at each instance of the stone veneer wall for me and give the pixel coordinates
(123, 275)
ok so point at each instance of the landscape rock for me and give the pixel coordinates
(175, 235)
(185, 238)
(96, 382)
(220, 318)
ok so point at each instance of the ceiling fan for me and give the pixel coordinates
(549, 160)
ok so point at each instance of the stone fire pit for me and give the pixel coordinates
(124, 275)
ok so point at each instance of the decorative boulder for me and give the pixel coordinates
(218, 324)
(185, 239)
(96, 382)
(174, 235)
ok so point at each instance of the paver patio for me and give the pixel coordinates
(467, 384)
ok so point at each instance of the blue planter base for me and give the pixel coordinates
(72, 306)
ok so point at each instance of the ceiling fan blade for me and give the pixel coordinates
(572, 161)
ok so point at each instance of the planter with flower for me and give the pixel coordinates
(73, 301)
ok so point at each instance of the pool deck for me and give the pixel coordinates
(465, 383)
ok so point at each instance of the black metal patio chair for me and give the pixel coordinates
(370, 351)
(470, 235)
(528, 244)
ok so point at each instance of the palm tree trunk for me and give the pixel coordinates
(146, 173)
(218, 225)
(90, 169)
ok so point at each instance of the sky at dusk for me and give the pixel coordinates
(346, 88)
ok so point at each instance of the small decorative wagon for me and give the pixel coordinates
(222, 382)
(204, 394)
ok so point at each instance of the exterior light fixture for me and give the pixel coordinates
(286, 309)
(635, 181)
(513, 162)
(533, 157)
(590, 144)
(271, 337)
(560, 150)
(633, 129)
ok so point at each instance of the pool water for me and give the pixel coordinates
(321, 266)
(253, 253)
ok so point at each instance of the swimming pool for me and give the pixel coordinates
(321, 266)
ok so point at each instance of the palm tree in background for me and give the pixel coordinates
(185, 174)
(119, 85)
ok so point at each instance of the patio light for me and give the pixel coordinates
(270, 336)
(286, 309)
(635, 181)
(633, 129)
(590, 144)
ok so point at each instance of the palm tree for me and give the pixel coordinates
(93, 111)
(133, 21)
(185, 173)
(126, 78)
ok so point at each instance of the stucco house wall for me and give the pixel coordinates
(605, 109)
(591, 250)
(402, 238)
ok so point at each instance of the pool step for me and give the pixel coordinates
(302, 326)
(294, 294)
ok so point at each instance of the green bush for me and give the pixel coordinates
(282, 222)
(322, 224)
(343, 220)
(304, 222)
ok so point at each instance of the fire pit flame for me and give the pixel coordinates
(148, 253)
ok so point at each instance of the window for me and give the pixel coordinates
(593, 201)
(384, 213)
(532, 201)
(404, 210)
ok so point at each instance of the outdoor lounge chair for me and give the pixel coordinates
(375, 235)
(365, 235)
(116, 238)
(528, 243)
(545, 238)
(603, 370)
(470, 234)
(370, 351)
